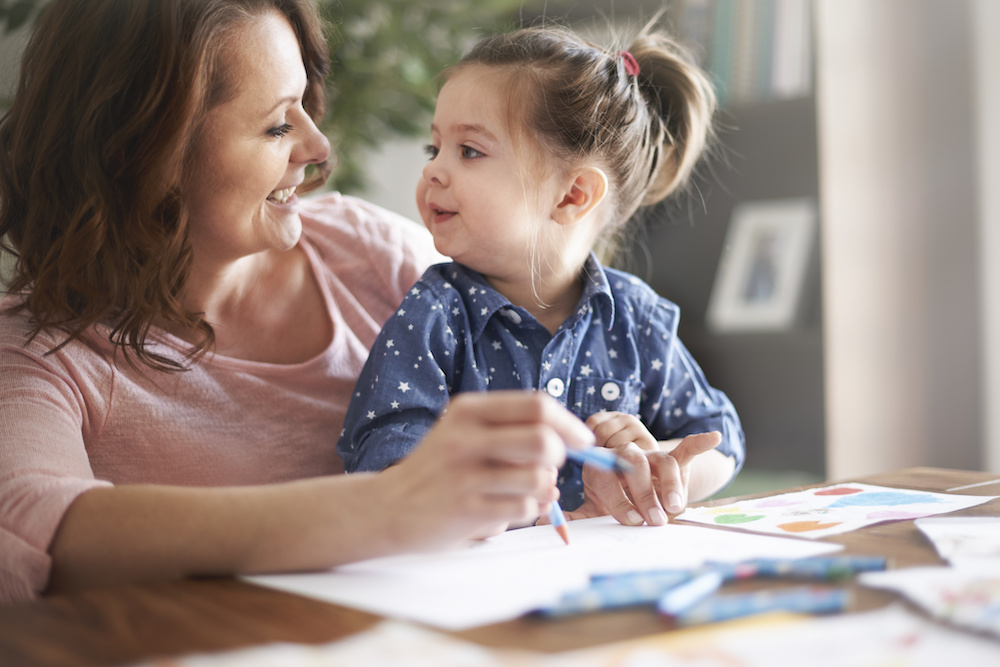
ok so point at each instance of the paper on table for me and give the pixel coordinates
(522, 570)
(960, 539)
(830, 510)
(967, 595)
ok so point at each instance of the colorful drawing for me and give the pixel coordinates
(738, 517)
(885, 498)
(830, 510)
(805, 526)
(777, 502)
(837, 491)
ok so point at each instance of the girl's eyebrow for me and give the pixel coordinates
(473, 128)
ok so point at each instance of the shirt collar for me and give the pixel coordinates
(482, 301)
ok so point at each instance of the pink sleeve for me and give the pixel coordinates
(43, 460)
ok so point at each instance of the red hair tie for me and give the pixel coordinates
(631, 66)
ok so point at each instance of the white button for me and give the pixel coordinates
(610, 391)
(555, 387)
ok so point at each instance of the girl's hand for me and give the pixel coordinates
(659, 481)
(618, 429)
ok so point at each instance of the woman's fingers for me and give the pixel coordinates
(491, 458)
(509, 408)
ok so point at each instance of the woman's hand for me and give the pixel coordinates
(489, 461)
(659, 482)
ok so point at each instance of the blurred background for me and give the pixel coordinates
(857, 171)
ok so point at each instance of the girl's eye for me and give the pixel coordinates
(471, 153)
(280, 131)
(431, 151)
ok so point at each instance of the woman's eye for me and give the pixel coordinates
(471, 153)
(431, 151)
(280, 130)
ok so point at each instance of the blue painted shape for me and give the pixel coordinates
(883, 498)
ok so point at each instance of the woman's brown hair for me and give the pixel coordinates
(93, 152)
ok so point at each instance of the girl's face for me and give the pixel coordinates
(474, 195)
(253, 149)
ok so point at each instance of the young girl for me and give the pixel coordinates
(543, 146)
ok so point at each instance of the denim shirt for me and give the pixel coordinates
(454, 333)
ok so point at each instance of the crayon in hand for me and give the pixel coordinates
(559, 521)
(599, 457)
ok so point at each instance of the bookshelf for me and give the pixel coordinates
(759, 54)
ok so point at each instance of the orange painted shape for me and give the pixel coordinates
(806, 526)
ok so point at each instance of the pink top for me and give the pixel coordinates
(74, 420)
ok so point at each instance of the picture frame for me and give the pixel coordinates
(759, 280)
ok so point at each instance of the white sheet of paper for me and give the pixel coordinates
(521, 570)
(967, 595)
(961, 539)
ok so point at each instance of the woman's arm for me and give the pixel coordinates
(488, 461)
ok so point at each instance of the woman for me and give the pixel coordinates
(149, 175)
(183, 332)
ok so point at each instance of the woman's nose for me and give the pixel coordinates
(314, 147)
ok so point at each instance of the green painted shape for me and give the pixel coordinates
(729, 519)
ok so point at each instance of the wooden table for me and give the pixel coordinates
(132, 623)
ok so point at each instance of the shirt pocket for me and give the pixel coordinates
(594, 394)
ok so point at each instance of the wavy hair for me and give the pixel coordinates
(93, 154)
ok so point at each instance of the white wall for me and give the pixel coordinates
(986, 71)
(898, 193)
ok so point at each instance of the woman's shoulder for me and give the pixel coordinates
(16, 330)
(21, 346)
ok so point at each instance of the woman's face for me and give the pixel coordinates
(254, 148)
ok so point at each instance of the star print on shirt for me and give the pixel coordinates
(469, 340)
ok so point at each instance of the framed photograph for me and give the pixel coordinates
(763, 266)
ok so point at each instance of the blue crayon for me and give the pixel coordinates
(558, 520)
(599, 457)
(684, 596)
(617, 591)
(801, 599)
(817, 568)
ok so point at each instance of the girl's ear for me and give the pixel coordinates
(587, 188)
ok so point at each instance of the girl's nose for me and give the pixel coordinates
(434, 172)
